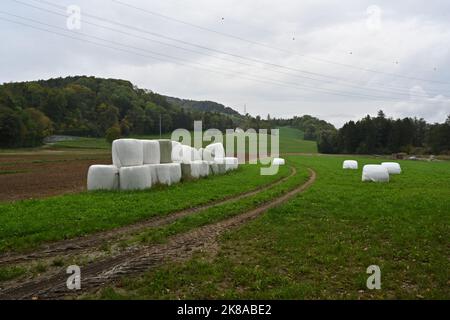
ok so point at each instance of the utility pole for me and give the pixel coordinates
(160, 126)
(245, 109)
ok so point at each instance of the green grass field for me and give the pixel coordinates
(291, 140)
(320, 244)
(317, 245)
(26, 224)
(97, 143)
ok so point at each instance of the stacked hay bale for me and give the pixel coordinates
(375, 173)
(128, 156)
(214, 167)
(103, 177)
(152, 157)
(216, 154)
(192, 165)
(158, 159)
(140, 164)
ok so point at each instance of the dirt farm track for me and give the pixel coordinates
(30, 175)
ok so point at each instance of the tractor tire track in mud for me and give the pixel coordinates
(135, 261)
(80, 244)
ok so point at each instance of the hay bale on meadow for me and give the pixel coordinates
(216, 150)
(103, 177)
(350, 164)
(278, 162)
(151, 152)
(229, 162)
(165, 149)
(177, 151)
(168, 173)
(375, 173)
(135, 178)
(127, 153)
(392, 167)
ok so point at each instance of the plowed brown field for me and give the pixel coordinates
(36, 175)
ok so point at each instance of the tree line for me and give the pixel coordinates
(91, 107)
(382, 135)
(111, 108)
(311, 126)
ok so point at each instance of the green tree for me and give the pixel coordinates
(113, 133)
(107, 116)
(136, 119)
(326, 142)
(12, 129)
(38, 126)
(124, 127)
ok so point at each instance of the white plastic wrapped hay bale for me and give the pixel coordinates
(207, 156)
(153, 172)
(229, 162)
(201, 153)
(350, 164)
(187, 154)
(135, 178)
(222, 168)
(204, 167)
(278, 162)
(165, 151)
(175, 173)
(177, 151)
(217, 168)
(392, 167)
(195, 169)
(190, 171)
(213, 167)
(192, 165)
(103, 177)
(190, 154)
(216, 150)
(197, 154)
(151, 151)
(168, 173)
(127, 153)
(375, 173)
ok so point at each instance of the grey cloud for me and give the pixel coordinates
(415, 33)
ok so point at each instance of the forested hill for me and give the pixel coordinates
(89, 106)
(383, 135)
(209, 106)
(111, 108)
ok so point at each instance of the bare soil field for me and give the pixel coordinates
(31, 175)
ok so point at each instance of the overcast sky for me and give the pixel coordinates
(337, 60)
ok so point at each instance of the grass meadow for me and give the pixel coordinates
(318, 245)
(29, 223)
(291, 140)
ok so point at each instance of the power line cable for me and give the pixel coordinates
(221, 51)
(197, 66)
(266, 45)
(382, 90)
(225, 59)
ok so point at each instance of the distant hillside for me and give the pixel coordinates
(311, 126)
(90, 106)
(206, 106)
(112, 108)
